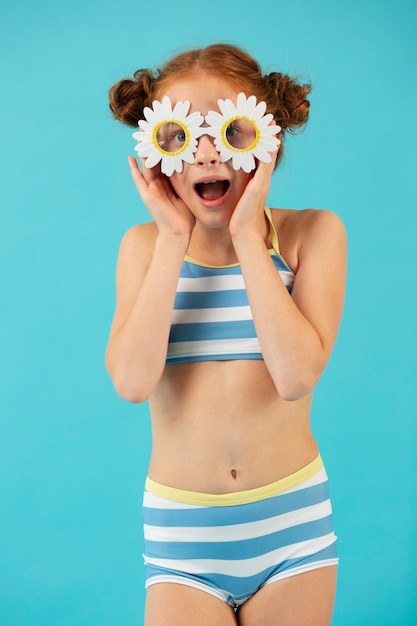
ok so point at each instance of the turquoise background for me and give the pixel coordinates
(73, 456)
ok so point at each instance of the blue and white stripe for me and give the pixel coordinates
(212, 319)
(233, 550)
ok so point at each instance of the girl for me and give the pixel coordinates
(226, 315)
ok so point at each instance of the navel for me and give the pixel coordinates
(233, 473)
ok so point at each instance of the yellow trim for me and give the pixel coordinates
(235, 498)
(178, 123)
(274, 236)
(190, 259)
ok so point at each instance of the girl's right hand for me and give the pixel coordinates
(170, 213)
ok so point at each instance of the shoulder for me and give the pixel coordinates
(139, 240)
(135, 251)
(304, 221)
(304, 231)
(318, 227)
(140, 234)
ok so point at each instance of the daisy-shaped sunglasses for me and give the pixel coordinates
(242, 132)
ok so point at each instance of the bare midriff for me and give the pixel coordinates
(221, 427)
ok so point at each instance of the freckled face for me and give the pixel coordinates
(209, 188)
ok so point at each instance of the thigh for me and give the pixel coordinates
(302, 600)
(168, 604)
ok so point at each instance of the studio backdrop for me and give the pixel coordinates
(73, 455)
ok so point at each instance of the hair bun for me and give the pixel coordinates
(129, 96)
(292, 106)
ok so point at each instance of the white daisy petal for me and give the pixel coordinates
(262, 154)
(210, 130)
(241, 103)
(144, 126)
(194, 122)
(150, 116)
(160, 113)
(266, 120)
(236, 161)
(269, 143)
(269, 138)
(214, 118)
(271, 130)
(195, 119)
(144, 149)
(258, 113)
(215, 122)
(249, 106)
(153, 159)
(140, 143)
(144, 144)
(167, 166)
(227, 108)
(225, 155)
(188, 157)
(248, 162)
(171, 165)
(163, 108)
(180, 110)
(248, 109)
(178, 163)
(222, 147)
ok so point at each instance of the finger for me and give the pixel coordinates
(134, 169)
(152, 173)
(132, 162)
(138, 178)
(150, 183)
(264, 170)
(145, 174)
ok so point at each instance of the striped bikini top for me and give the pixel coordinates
(212, 319)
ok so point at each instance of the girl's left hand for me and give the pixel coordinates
(249, 212)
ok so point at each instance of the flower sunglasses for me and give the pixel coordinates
(241, 132)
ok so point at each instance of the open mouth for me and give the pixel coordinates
(212, 190)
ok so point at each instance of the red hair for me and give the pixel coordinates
(285, 98)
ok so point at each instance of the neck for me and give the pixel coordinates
(214, 246)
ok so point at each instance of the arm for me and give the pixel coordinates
(137, 347)
(148, 267)
(296, 332)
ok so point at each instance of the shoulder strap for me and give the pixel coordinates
(273, 232)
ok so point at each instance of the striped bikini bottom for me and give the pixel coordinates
(234, 544)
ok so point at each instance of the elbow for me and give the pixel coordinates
(293, 392)
(298, 377)
(132, 388)
(132, 391)
(298, 386)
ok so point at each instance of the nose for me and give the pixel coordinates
(206, 154)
